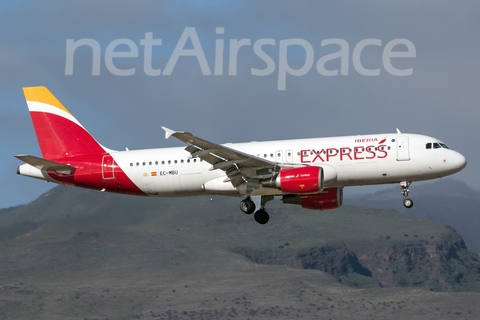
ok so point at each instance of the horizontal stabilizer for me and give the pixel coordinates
(44, 164)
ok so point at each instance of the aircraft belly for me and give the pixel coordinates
(366, 172)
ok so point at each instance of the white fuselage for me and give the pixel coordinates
(347, 161)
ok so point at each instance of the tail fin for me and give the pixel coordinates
(59, 134)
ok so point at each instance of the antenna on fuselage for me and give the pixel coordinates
(398, 131)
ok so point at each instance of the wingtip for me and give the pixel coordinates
(168, 132)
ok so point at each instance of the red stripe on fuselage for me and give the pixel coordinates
(88, 174)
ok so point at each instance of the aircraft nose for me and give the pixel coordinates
(460, 161)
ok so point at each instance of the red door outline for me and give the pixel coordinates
(108, 168)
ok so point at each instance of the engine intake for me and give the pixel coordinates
(301, 180)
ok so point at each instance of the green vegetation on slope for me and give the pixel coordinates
(95, 255)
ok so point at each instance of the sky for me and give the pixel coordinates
(235, 71)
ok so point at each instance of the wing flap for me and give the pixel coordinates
(240, 167)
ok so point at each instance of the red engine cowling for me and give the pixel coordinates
(301, 180)
(330, 198)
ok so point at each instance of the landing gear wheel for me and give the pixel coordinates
(408, 203)
(261, 216)
(247, 206)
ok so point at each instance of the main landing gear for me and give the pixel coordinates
(407, 202)
(261, 215)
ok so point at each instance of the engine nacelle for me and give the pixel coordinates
(301, 180)
(329, 198)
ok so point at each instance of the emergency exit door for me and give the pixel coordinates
(108, 168)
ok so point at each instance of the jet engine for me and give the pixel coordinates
(329, 198)
(301, 180)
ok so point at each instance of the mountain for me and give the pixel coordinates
(81, 254)
(445, 201)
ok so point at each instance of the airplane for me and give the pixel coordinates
(307, 172)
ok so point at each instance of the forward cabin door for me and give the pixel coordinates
(108, 168)
(403, 152)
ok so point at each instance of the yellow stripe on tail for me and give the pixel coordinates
(42, 94)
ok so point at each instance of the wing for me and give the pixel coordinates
(240, 167)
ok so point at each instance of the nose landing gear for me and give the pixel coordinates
(407, 202)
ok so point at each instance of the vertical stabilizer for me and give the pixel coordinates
(59, 134)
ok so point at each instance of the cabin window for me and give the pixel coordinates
(131, 164)
(169, 161)
(181, 161)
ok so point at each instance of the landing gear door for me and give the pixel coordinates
(403, 152)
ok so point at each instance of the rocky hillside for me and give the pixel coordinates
(80, 254)
(438, 265)
(358, 247)
(445, 201)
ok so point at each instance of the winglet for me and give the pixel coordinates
(168, 132)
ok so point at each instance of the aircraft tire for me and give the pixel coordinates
(262, 216)
(247, 206)
(408, 203)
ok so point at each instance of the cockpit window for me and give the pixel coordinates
(435, 145)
